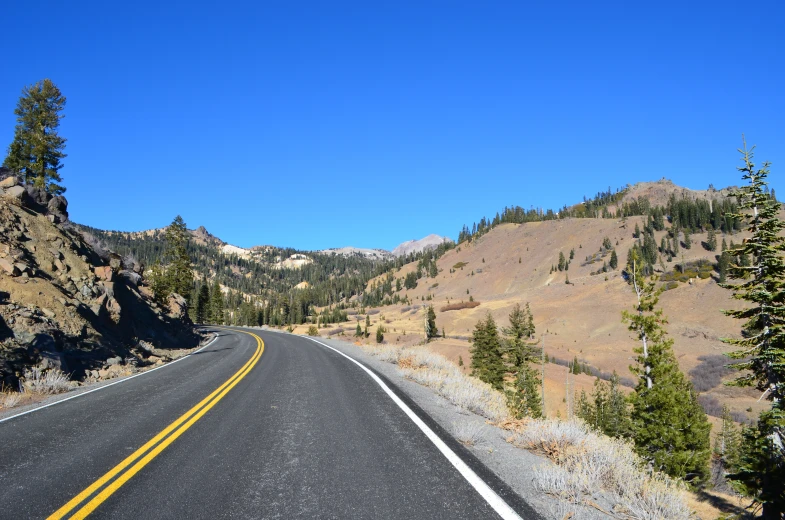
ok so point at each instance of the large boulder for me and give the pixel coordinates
(115, 261)
(17, 193)
(9, 182)
(38, 195)
(58, 208)
(9, 268)
(104, 272)
(178, 307)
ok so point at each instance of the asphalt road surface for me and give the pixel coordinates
(268, 426)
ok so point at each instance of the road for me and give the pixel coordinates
(269, 426)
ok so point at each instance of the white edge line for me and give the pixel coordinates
(491, 497)
(108, 385)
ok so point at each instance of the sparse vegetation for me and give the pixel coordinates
(584, 463)
(45, 381)
(459, 306)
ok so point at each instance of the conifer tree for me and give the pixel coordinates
(761, 347)
(524, 399)
(380, 334)
(203, 303)
(431, 330)
(614, 263)
(562, 261)
(711, 241)
(178, 268)
(727, 444)
(487, 363)
(687, 239)
(216, 304)
(37, 148)
(358, 331)
(669, 427)
(516, 335)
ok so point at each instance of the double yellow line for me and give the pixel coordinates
(152, 448)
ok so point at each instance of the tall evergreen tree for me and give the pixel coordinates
(37, 148)
(669, 427)
(761, 347)
(431, 330)
(487, 363)
(178, 269)
(521, 328)
(727, 444)
(614, 263)
(216, 304)
(711, 241)
(524, 399)
(203, 303)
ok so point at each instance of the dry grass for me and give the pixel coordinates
(469, 433)
(9, 399)
(459, 306)
(438, 373)
(45, 382)
(585, 463)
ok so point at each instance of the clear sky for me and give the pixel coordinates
(368, 123)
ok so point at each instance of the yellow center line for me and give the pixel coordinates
(191, 416)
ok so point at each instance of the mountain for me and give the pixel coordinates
(577, 311)
(417, 246)
(372, 254)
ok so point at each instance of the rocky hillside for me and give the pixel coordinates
(62, 304)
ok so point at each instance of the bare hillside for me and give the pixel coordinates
(513, 264)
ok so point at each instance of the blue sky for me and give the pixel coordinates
(335, 123)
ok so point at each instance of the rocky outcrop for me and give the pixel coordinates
(62, 305)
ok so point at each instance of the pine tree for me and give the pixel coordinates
(178, 269)
(203, 303)
(431, 331)
(761, 347)
(216, 304)
(727, 444)
(711, 241)
(562, 261)
(723, 264)
(37, 148)
(687, 239)
(358, 331)
(487, 363)
(614, 263)
(380, 334)
(669, 427)
(524, 399)
(516, 335)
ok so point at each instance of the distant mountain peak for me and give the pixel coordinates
(415, 246)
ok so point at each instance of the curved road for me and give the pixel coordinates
(275, 426)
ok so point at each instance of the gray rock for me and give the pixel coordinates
(9, 182)
(58, 208)
(115, 261)
(114, 360)
(134, 278)
(9, 268)
(17, 193)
